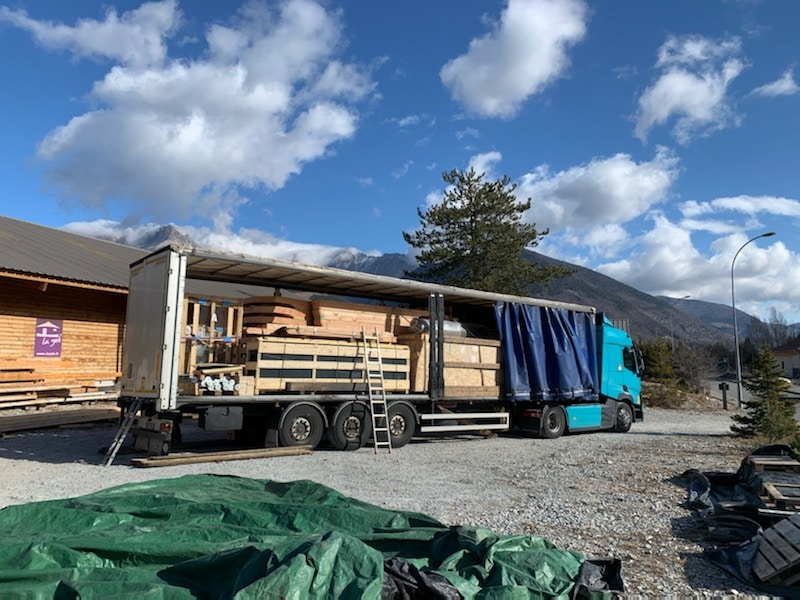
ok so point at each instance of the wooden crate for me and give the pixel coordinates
(297, 364)
(472, 366)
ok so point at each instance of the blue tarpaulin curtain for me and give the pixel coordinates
(548, 353)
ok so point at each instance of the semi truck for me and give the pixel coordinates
(334, 356)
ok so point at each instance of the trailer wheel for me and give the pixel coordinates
(624, 418)
(351, 426)
(402, 424)
(301, 425)
(554, 422)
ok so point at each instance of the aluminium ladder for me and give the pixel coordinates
(122, 432)
(376, 388)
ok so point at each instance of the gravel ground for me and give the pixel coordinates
(607, 495)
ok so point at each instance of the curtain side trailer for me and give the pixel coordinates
(467, 360)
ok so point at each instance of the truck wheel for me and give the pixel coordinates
(402, 424)
(301, 425)
(554, 422)
(624, 418)
(351, 426)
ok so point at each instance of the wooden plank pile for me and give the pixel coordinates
(278, 315)
(23, 386)
(56, 418)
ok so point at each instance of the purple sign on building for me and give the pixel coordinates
(48, 337)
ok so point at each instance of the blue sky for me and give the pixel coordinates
(654, 137)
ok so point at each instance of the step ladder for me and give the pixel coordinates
(373, 376)
(122, 432)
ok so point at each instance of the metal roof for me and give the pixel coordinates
(250, 270)
(35, 250)
(44, 252)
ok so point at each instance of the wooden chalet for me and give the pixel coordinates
(789, 357)
(62, 315)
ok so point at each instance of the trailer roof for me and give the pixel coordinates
(268, 272)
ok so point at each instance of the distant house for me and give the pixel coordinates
(62, 313)
(789, 357)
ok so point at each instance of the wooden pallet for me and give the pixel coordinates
(774, 463)
(785, 496)
(777, 561)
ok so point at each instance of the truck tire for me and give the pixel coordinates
(350, 427)
(301, 425)
(624, 418)
(554, 422)
(402, 424)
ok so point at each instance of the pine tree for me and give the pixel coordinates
(766, 415)
(475, 238)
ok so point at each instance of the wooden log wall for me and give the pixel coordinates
(93, 324)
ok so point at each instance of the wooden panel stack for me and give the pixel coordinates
(296, 364)
(272, 312)
(24, 387)
(352, 316)
(471, 365)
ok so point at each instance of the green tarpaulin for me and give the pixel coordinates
(211, 536)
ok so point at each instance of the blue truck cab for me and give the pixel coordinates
(620, 368)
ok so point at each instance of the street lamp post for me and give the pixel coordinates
(735, 320)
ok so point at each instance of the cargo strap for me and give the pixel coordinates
(122, 432)
(373, 376)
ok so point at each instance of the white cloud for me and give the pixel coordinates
(666, 261)
(485, 163)
(750, 205)
(269, 95)
(613, 190)
(136, 38)
(783, 86)
(252, 242)
(692, 88)
(604, 241)
(711, 226)
(469, 132)
(523, 53)
(402, 171)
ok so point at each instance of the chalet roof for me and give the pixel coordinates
(35, 250)
(787, 349)
(46, 253)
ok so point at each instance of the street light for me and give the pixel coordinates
(735, 321)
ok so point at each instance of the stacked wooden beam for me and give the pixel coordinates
(352, 317)
(273, 312)
(25, 387)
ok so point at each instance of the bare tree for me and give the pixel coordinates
(779, 328)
